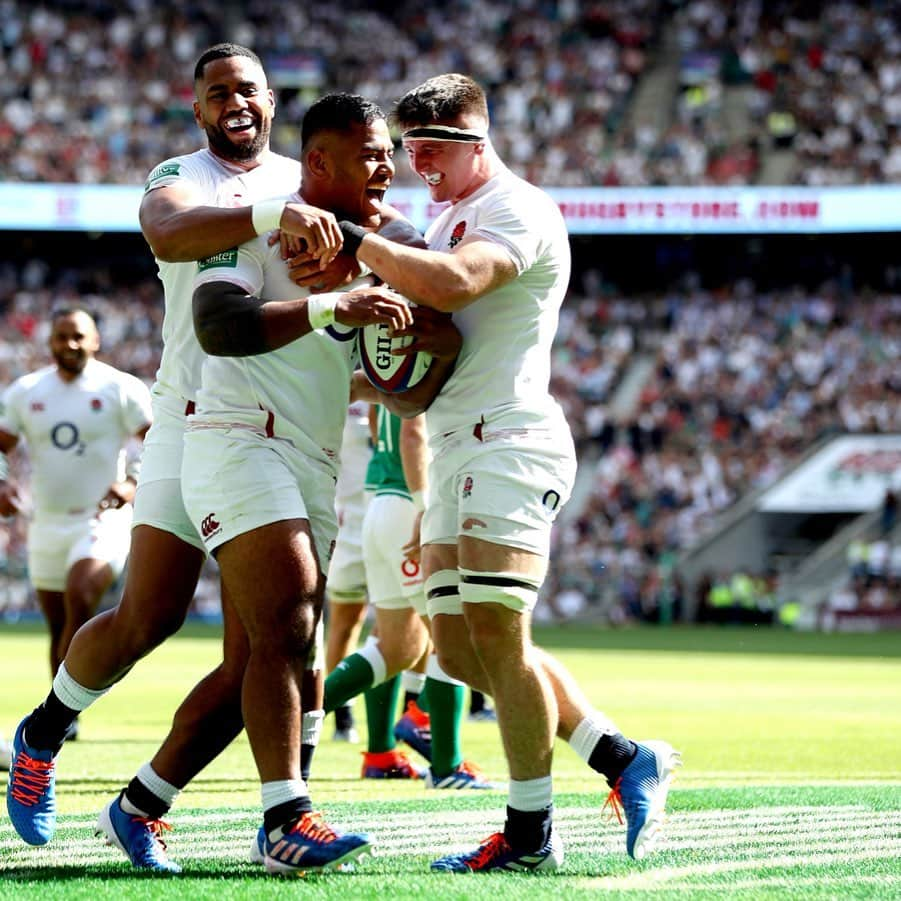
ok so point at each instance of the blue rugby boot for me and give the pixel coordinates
(31, 792)
(139, 838)
(415, 728)
(640, 793)
(311, 846)
(465, 776)
(495, 853)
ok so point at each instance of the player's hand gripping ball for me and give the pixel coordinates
(390, 373)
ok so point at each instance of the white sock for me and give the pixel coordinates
(311, 727)
(433, 671)
(412, 682)
(282, 791)
(373, 656)
(70, 693)
(156, 785)
(589, 732)
(530, 794)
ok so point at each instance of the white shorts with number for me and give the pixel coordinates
(506, 488)
(346, 574)
(236, 480)
(56, 543)
(394, 582)
(158, 499)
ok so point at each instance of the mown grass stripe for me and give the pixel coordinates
(772, 832)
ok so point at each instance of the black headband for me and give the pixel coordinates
(443, 133)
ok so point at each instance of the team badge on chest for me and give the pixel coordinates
(457, 234)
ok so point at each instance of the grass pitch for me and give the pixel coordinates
(791, 785)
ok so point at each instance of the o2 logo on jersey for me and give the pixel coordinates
(64, 435)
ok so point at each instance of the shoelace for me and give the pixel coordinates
(615, 802)
(155, 828)
(491, 848)
(30, 779)
(419, 718)
(313, 827)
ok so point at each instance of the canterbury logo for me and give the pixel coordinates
(209, 525)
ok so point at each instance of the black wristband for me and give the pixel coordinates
(353, 236)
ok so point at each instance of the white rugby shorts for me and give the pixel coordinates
(56, 543)
(235, 480)
(346, 574)
(158, 499)
(394, 582)
(506, 487)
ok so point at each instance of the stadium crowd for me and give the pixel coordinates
(99, 92)
(742, 383)
(822, 79)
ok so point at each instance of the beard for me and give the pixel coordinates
(223, 146)
(72, 366)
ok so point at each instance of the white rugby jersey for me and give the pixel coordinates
(76, 432)
(300, 391)
(356, 450)
(220, 184)
(504, 367)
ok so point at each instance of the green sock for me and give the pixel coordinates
(446, 708)
(381, 711)
(352, 676)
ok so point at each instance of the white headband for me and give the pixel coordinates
(443, 133)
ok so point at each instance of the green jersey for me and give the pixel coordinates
(385, 473)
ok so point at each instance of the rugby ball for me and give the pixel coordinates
(387, 372)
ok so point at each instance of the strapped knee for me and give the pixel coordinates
(442, 590)
(512, 590)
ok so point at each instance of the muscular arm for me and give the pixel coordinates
(229, 322)
(443, 281)
(179, 228)
(413, 455)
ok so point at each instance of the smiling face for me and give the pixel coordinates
(451, 169)
(234, 106)
(73, 341)
(353, 168)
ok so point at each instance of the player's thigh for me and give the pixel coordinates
(402, 635)
(158, 499)
(52, 604)
(50, 541)
(393, 580)
(509, 495)
(235, 482)
(108, 543)
(272, 576)
(346, 580)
